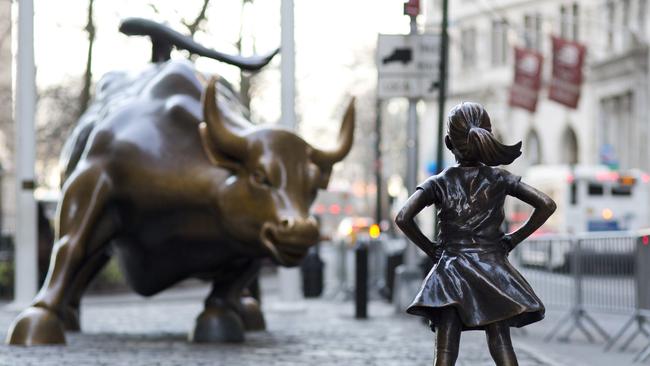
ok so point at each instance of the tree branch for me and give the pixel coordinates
(84, 97)
(194, 26)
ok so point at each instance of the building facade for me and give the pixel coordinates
(612, 114)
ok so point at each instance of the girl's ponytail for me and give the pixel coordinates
(484, 147)
(470, 131)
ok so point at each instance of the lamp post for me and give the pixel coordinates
(26, 272)
(289, 277)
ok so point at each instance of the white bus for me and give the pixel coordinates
(588, 198)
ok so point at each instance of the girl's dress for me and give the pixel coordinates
(474, 275)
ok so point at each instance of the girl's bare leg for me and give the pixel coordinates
(447, 338)
(500, 345)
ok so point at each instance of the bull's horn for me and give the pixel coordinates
(346, 137)
(226, 141)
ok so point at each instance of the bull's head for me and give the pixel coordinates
(275, 178)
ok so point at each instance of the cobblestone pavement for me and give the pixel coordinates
(126, 330)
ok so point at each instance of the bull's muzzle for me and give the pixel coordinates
(289, 240)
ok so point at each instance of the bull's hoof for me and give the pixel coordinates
(251, 314)
(70, 318)
(36, 326)
(218, 324)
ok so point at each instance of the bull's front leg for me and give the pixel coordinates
(249, 307)
(229, 309)
(82, 235)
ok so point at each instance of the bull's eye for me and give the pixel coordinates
(260, 177)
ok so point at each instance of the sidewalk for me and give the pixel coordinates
(130, 330)
(577, 350)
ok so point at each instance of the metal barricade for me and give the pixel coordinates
(641, 314)
(543, 263)
(608, 272)
(343, 288)
(592, 272)
(378, 251)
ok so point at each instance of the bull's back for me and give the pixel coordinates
(154, 112)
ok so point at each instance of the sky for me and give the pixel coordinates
(335, 43)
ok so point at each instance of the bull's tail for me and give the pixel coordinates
(164, 38)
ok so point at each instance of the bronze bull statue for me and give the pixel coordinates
(169, 175)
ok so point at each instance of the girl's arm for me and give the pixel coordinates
(405, 220)
(543, 205)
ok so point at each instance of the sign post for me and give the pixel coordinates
(407, 67)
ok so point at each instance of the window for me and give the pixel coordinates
(564, 29)
(595, 189)
(625, 23)
(570, 21)
(575, 22)
(499, 42)
(618, 130)
(641, 13)
(533, 31)
(610, 13)
(622, 191)
(468, 47)
(569, 147)
(533, 148)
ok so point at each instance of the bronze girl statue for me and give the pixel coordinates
(472, 286)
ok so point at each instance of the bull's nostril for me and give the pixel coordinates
(286, 223)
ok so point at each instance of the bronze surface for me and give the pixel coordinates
(472, 284)
(177, 187)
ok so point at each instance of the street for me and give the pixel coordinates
(129, 330)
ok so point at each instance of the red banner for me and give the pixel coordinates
(412, 8)
(528, 79)
(568, 58)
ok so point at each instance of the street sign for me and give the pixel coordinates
(407, 65)
(410, 87)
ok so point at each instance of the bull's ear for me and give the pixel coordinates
(213, 153)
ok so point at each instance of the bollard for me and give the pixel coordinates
(393, 260)
(311, 269)
(361, 280)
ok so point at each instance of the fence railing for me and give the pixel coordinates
(595, 270)
(591, 273)
(583, 275)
